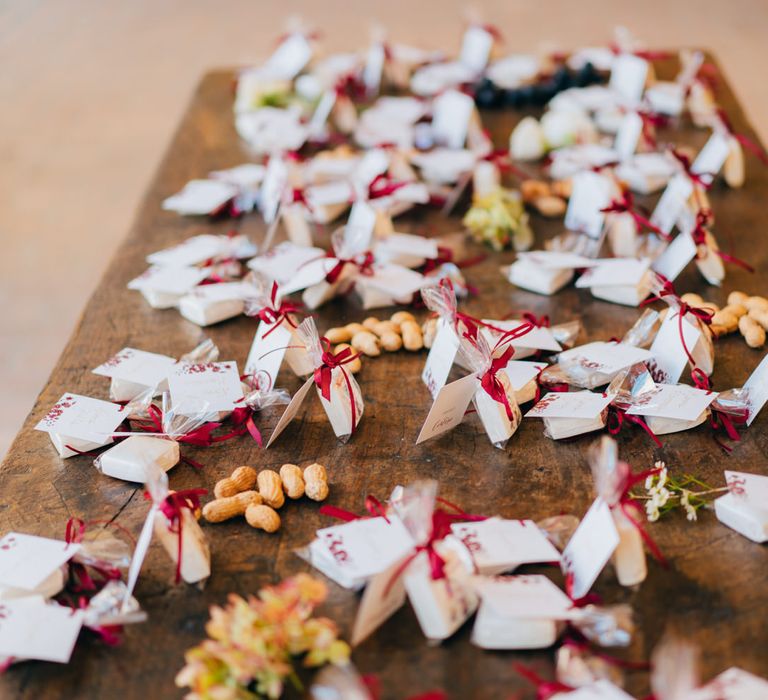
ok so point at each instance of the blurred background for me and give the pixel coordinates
(91, 91)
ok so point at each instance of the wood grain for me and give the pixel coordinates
(712, 592)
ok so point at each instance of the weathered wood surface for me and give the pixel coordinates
(713, 592)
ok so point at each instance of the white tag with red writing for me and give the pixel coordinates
(215, 383)
(752, 488)
(31, 628)
(757, 390)
(591, 193)
(27, 560)
(572, 404)
(291, 410)
(441, 357)
(590, 548)
(497, 545)
(83, 418)
(199, 197)
(734, 684)
(365, 547)
(449, 407)
(669, 356)
(676, 401)
(534, 597)
(613, 272)
(139, 366)
(268, 350)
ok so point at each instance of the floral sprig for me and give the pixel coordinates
(665, 493)
(253, 643)
(499, 219)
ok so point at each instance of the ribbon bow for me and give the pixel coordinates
(324, 373)
(699, 235)
(364, 265)
(172, 507)
(273, 315)
(382, 186)
(702, 179)
(626, 205)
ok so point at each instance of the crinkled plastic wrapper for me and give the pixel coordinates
(632, 385)
(205, 352)
(260, 395)
(576, 666)
(452, 272)
(567, 333)
(644, 330)
(499, 426)
(607, 626)
(110, 607)
(574, 242)
(345, 407)
(733, 402)
(559, 529)
(441, 300)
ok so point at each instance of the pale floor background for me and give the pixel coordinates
(90, 92)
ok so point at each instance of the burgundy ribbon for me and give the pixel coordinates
(626, 205)
(750, 145)
(719, 420)
(172, 507)
(349, 85)
(651, 120)
(699, 235)
(273, 315)
(324, 373)
(382, 186)
(696, 178)
(647, 54)
(441, 528)
(544, 689)
(372, 504)
(576, 639)
(365, 265)
(702, 315)
(501, 159)
(616, 418)
(627, 504)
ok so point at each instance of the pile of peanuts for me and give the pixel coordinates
(747, 314)
(373, 335)
(549, 199)
(237, 496)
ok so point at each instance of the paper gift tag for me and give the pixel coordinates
(591, 193)
(245, 176)
(451, 113)
(712, 157)
(628, 135)
(190, 252)
(328, 193)
(367, 546)
(383, 597)
(752, 488)
(556, 260)
(291, 410)
(290, 57)
(30, 628)
(498, 545)
(605, 358)
(266, 353)
(283, 261)
(614, 272)
(669, 357)
(628, 76)
(217, 383)
(672, 202)
(394, 280)
(322, 112)
(309, 274)
(200, 197)
(26, 560)
(572, 404)
(675, 257)
(678, 401)
(599, 690)
(734, 684)
(441, 357)
(757, 388)
(590, 548)
(476, 47)
(138, 366)
(538, 338)
(82, 418)
(532, 597)
(272, 188)
(362, 218)
(520, 372)
(374, 67)
(449, 407)
(169, 280)
(397, 246)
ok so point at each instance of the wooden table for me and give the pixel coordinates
(713, 592)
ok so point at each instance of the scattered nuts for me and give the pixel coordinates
(391, 341)
(225, 508)
(293, 480)
(271, 488)
(753, 332)
(550, 206)
(761, 316)
(399, 316)
(370, 323)
(242, 479)
(353, 366)
(413, 339)
(383, 327)
(316, 481)
(737, 298)
(262, 518)
(338, 335)
(367, 343)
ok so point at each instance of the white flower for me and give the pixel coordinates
(663, 496)
(690, 513)
(652, 511)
